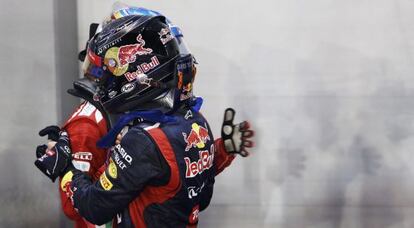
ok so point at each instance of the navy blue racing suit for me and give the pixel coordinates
(158, 176)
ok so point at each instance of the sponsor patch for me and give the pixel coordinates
(87, 156)
(105, 182)
(197, 137)
(112, 94)
(106, 46)
(144, 80)
(165, 35)
(65, 185)
(188, 115)
(194, 168)
(121, 157)
(128, 53)
(194, 215)
(193, 191)
(112, 62)
(142, 69)
(128, 87)
(83, 166)
(204, 162)
(66, 180)
(112, 170)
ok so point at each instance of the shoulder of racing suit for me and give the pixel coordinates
(138, 137)
(87, 112)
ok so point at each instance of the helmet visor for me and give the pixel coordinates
(92, 66)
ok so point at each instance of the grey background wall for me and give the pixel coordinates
(28, 102)
(327, 84)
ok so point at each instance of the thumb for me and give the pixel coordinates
(51, 144)
(227, 127)
(51, 131)
(229, 114)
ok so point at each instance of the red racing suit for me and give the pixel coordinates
(85, 127)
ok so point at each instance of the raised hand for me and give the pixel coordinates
(237, 138)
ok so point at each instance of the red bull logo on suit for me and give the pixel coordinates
(205, 162)
(197, 137)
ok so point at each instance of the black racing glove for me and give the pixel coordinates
(236, 138)
(56, 161)
(52, 132)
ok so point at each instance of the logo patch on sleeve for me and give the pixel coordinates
(83, 166)
(66, 180)
(112, 170)
(85, 156)
(105, 182)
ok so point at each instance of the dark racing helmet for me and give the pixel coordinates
(136, 61)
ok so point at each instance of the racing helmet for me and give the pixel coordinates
(135, 60)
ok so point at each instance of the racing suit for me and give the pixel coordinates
(160, 175)
(85, 126)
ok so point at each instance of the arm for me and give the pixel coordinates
(86, 156)
(133, 164)
(222, 159)
(235, 139)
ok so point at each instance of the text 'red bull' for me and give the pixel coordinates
(205, 162)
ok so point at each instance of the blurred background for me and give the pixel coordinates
(328, 86)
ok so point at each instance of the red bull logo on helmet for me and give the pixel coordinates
(142, 69)
(117, 59)
(127, 54)
(197, 137)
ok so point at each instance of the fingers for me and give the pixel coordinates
(245, 128)
(244, 153)
(244, 125)
(41, 150)
(52, 132)
(248, 143)
(229, 114)
(248, 134)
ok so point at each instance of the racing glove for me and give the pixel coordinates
(52, 132)
(236, 137)
(56, 161)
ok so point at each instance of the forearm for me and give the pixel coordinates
(222, 159)
(88, 200)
